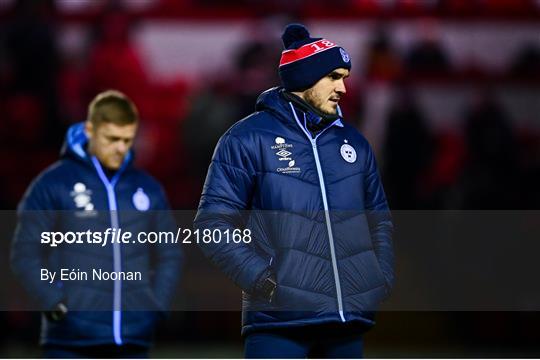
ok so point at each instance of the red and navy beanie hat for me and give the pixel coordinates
(306, 60)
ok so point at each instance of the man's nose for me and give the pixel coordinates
(122, 147)
(340, 87)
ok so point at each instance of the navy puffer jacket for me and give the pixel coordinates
(75, 195)
(317, 212)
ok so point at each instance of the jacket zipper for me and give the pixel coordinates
(326, 212)
(117, 255)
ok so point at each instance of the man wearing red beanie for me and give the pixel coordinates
(320, 259)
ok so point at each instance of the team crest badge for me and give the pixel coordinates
(348, 153)
(344, 55)
(141, 201)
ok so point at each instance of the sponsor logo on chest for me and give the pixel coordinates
(284, 152)
(82, 197)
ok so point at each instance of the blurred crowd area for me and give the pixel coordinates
(450, 104)
(446, 91)
(318, 8)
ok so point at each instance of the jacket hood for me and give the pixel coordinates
(272, 100)
(75, 145)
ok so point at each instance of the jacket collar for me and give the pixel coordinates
(272, 100)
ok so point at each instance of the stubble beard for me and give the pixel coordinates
(311, 98)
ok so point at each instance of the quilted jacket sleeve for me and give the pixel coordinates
(226, 195)
(380, 220)
(35, 215)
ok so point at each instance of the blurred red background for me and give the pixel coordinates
(446, 91)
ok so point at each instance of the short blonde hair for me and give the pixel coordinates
(112, 106)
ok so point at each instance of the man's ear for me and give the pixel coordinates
(89, 129)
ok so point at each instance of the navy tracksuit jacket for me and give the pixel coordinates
(76, 194)
(317, 211)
